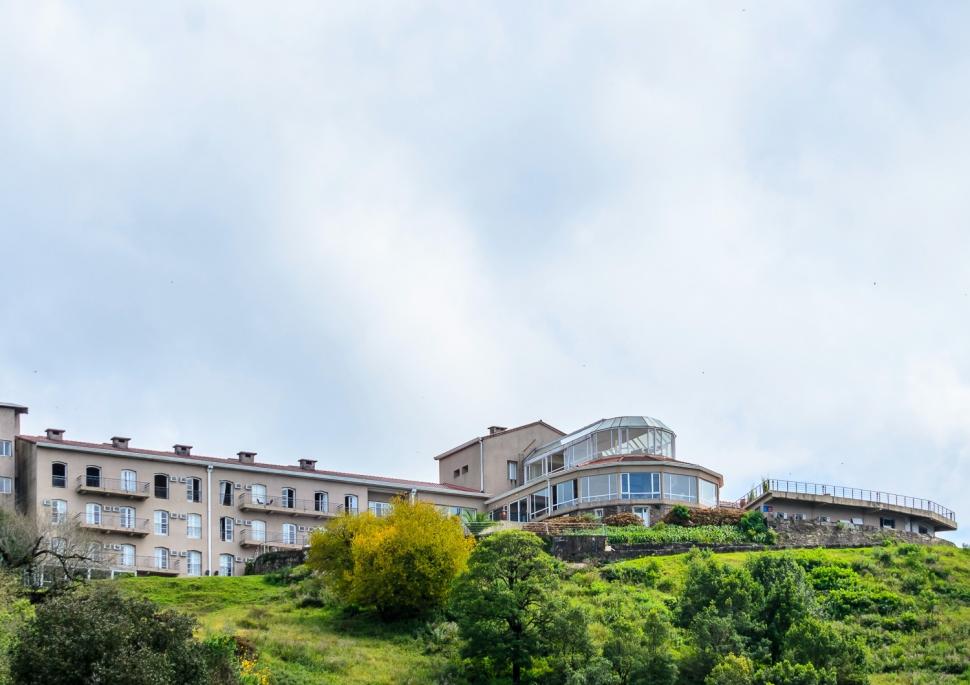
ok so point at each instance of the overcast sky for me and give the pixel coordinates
(363, 233)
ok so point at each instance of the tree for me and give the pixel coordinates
(787, 673)
(824, 645)
(95, 635)
(640, 651)
(63, 550)
(732, 670)
(789, 596)
(503, 605)
(401, 565)
(15, 611)
(477, 522)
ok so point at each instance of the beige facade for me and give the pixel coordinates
(483, 463)
(180, 514)
(9, 429)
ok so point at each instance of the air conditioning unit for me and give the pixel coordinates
(173, 479)
(799, 517)
(182, 516)
(302, 529)
(825, 519)
(114, 547)
(249, 487)
(248, 523)
(239, 522)
(238, 486)
(173, 552)
(183, 479)
(46, 503)
(183, 554)
(781, 515)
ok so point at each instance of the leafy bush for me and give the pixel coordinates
(732, 670)
(94, 635)
(712, 517)
(787, 673)
(664, 534)
(679, 515)
(645, 572)
(401, 565)
(754, 526)
(826, 578)
(622, 519)
(863, 600)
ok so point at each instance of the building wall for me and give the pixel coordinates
(498, 450)
(862, 515)
(9, 427)
(38, 486)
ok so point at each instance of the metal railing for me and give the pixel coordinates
(276, 502)
(250, 537)
(145, 563)
(874, 497)
(105, 521)
(135, 487)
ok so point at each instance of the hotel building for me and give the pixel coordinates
(172, 512)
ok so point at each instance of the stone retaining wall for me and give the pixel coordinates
(275, 561)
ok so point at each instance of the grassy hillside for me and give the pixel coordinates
(910, 604)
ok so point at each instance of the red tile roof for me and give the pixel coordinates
(108, 447)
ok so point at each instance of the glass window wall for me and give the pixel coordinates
(679, 487)
(708, 493)
(640, 485)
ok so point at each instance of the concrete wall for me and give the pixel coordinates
(9, 428)
(863, 512)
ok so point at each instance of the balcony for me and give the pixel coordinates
(280, 505)
(247, 538)
(157, 566)
(113, 523)
(113, 487)
(874, 500)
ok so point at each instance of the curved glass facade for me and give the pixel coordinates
(620, 436)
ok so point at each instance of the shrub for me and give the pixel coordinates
(679, 515)
(824, 645)
(96, 635)
(623, 518)
(641, 572)
(754, 526)
(732, 670)
(401, 565)
(787, 673)
(664, 534)
(826, 578)
(715, 517)
(862, 600)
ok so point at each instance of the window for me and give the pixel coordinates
(58, 545)
(596, 488)
(923, 530)
(464, 469)
(194, 562)
(680, 487)
(226, 564)
(92, 514)
(193, 526)
(519, 510)
(643, 513)
(129, 480)
(379, 508)
(126, 517)
(456, 473)
(6, 448)
(58, 511)
(640, 486)
(535, 470)
(289, 497)
(193, 489)
(58, 475)
(225, 529)
(225, 493)
(161, 558)
(350, 504)
(259, 494)
(598, 513)
(6, 485)
(540, 502)
(513, 468)
(161, 523)
(887, 523)
(161, 486)
(259, 531)
(127, 555)
(92, 476)
(321, 501)
(565, 493)
(708, 493)
(289, 534)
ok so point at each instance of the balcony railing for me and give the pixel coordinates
(872, 497)
(133, 489)
(285, 505)
(248, 538)
(113, 523)
(162, 565)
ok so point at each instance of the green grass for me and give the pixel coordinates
(914, 615)
(297, 644)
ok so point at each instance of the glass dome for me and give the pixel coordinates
(618, 436)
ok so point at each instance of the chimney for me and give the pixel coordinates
(492, 430)
(55, 433)
(182, 450)
(308, 464)
(246, 457)
(120, 443)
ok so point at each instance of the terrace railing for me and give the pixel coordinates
(874, 497)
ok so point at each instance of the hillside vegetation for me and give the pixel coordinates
(909, 606)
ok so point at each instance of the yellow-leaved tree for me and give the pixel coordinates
(402, 564)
